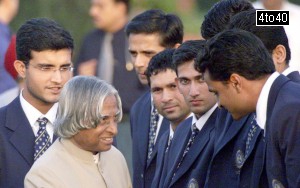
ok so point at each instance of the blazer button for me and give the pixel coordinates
(142, 175)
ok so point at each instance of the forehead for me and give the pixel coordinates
(163, 78)
(52, 56)
(187, 70)
(145, 42)
(110, 105)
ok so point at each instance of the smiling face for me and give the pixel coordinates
(142, 48)
(167, 98)
(194, 89)
(42, 88)
(100, 138)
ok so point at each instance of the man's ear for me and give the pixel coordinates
(279, 55)
(235, 81)
(20, 68)
(177, 45)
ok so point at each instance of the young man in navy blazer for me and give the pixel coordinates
(192, 144)
(44, 51)
(239, 70)
(148, 33)
(169, 102)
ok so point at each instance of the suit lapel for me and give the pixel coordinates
(143, 126)
(160, 159)
(22, 137)
(199, 144)
(177, 147)
(165, 125)
(234, 128)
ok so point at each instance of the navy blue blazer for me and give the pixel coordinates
(196, 160)
(294, 76)
(125, 81)
(163, 157)
(161, 162)
(282, 133)
(229, 164)
(17, 145)
(143, 172)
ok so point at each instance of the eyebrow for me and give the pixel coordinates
(51, 65)
(116, 114)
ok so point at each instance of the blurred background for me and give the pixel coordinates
(73, 14)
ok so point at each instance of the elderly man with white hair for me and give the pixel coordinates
(89, 110)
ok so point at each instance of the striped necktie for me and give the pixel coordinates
(42, 140)
(194, 133)
(251, 133)
(152, 132)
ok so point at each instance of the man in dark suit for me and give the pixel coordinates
(108, 44)
(147, 35)
(168, 101)
(239, 70)
(274, 39)
(192, 144)
(44, 51)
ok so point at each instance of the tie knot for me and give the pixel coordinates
(42, 122)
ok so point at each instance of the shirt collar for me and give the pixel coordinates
(261, 107)
(288, 71)
(202, 120)
(171, 132)
(33, 114)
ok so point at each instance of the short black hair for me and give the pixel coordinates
(187, 51)
(271, 36)
(235, 51)
(39, 34)
(160, 62)
(168, 26)
(218, 17)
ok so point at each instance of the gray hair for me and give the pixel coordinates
(80, 105)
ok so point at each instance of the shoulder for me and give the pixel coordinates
(11, 109)
(142, 101)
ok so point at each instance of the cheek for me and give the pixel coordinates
(156, 99)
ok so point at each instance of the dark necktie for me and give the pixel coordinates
(195, 131)
(152, 132)
(251, 134)
(42, 140)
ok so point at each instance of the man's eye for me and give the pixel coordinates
(46, 68)
(184, 81)
(64, 69)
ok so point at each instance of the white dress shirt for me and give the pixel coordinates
(261, 106)
(288, 71)
(33, 114)
(202, 120)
